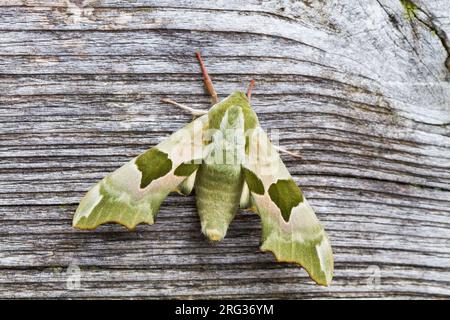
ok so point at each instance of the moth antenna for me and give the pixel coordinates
(293, 154)
(194, 112)
(206, 79)
(250, 89)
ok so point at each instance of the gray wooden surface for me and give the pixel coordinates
(359, 88)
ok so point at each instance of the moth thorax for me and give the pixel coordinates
(228, 143)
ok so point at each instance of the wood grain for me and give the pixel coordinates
(361, 90)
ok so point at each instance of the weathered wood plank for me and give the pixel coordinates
(360, 90)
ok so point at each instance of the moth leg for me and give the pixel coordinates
(250, 89)
(194, 112)
(206, 79)
(283, 150)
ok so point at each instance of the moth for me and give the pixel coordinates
(227, 158)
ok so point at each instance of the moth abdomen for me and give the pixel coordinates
(218, 190)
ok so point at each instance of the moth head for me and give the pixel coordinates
(233, 118)
(237, 100)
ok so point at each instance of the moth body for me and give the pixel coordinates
(219, 182)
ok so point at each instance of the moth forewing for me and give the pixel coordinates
(133, 193)
(290, 228)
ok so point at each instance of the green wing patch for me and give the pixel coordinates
(153, 164)
(286, 195)
(113, 208)
(186, 169)
(253, 182)
(313, 252)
